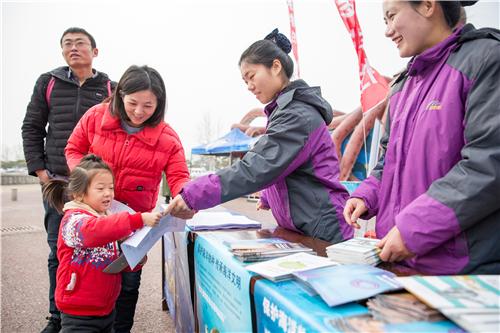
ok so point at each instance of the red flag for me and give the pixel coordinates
(373, 86)
(293, 35)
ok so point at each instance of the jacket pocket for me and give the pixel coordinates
(71, 283)
(138, 193)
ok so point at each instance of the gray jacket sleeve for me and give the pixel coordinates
(273, 157)
(472, 187)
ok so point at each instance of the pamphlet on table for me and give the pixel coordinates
(283, 267)
(248, 250)
(342, 284)
(471, 301)
(356, 250)
(207, 220)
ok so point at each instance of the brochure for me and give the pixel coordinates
(471, 301)
(263, 248)
(282, 268)
(401, 308)
(139, 243)
(364, 323)
(347, 283)
(220, 220)
(358, 250)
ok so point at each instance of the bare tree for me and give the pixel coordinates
(208, 128)
(5, 153)
(18, 152)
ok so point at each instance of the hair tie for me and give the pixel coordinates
(280, 40)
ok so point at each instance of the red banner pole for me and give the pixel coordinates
(293, 35)
(373, 86)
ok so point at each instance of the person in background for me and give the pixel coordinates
(130, 134)
(165, 189)
(435, 190)
(294, 161)
(59, 99)
(87, 244)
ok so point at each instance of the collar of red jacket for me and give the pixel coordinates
(148, 135)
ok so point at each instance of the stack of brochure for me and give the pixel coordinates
(261, 249)
(282, 268)
(471, 301)
(347, 283)
(357, 250)
(220, 220)
(363, 323)
(401, 308)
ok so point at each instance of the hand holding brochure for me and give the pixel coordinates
(138, 245)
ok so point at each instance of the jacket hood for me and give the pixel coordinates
(80, 205)
(469, 33)
(299, 90)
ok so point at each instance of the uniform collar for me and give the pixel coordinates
(429, 57)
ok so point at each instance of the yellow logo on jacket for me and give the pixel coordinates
(434, 105)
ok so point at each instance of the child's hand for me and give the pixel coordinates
(151, 219)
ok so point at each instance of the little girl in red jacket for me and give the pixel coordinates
(87, 243)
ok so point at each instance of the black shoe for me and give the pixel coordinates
(53, 326)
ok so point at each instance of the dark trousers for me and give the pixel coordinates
(126, 302)
(52, 221)
(87, 324)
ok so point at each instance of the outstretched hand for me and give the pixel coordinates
(354, 208)
(178, 208)
(260, 206)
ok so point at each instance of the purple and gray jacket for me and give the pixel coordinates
(294, 161)
(439, 178)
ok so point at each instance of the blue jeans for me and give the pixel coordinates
(126, 302)
(52, 220)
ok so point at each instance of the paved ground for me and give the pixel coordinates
(24, 251)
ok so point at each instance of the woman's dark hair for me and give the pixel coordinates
(273, 46)
(57, 191)
(76, 30)
(451, 9)
(137, 79)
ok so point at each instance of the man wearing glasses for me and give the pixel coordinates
(59, 100)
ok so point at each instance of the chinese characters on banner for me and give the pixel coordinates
(293, 35)
(373, 86)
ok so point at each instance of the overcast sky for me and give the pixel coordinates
(195, 45)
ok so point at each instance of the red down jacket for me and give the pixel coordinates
(137, 160)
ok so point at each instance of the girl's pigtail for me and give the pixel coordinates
(55, 192)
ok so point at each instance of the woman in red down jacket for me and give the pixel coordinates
(131, 136)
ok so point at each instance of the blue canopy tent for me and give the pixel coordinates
(234, 141)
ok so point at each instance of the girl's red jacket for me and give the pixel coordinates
(86, 245)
